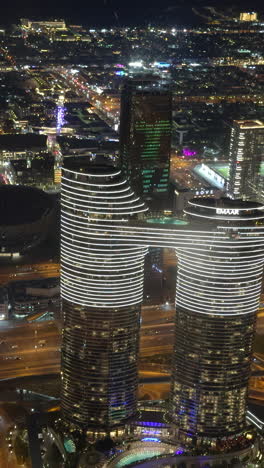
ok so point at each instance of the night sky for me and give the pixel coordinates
(118, 12)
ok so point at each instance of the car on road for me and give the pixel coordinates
(12, 358)
(42, 342)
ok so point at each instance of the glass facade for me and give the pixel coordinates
(210, 375)
(217, 297)
(99, 359)
(246, 152)
(145, 140)
(104, 240)
(102, 287)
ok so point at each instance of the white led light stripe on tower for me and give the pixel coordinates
(103, 245)
(102, 287)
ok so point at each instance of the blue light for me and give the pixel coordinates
(150, 439)
(162, 64)
(60, 117)
(155, 268)
(150, 424)
(151, 432)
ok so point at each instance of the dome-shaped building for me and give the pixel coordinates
(26, 214)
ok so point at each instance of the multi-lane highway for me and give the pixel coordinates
(107, 107)
(156, 339)
(260, 322)
(157, 314)
(23, 354)
(34, 348)
(28, 272)
(29, 349)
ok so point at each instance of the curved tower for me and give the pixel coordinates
(101, 284)
(220, 267)
(217, 297)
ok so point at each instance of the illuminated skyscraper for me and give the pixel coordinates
(102, 287)
(246, 152)
(217, 297)
(145, 139)
(145, 145)
(220, 267)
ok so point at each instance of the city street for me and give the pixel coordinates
(7, 457)
(34, 347)
(28, 272)
(22, 343)
(260, 322)
(156, 314)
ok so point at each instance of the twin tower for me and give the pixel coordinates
(104, 240)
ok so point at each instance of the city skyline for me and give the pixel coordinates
(145, 139)
(209, 389)
(115, 13)
(132, 235)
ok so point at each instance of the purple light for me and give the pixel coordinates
(60, 117)
(179, 452)
(119, 65)
(188, 152)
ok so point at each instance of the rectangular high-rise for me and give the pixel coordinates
(246, 152)
(145, 139)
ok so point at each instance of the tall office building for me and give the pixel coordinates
(145, 139)
(101, 288)
(217, 297)
(246, 152)
(145, 145)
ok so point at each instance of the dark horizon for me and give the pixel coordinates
(114, 13)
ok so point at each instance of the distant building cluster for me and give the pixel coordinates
(248, 16)
(131, 171)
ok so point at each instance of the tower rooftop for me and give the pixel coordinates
(248, 124)
(82, 164)
(225, 208)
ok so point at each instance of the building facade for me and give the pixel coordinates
(217, 296)
(246, 152)
(102, 287)
(220, 263)
(145, 139)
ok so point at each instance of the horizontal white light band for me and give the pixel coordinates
(63, 184)
(222, 217)
(93, 274)
(214, 207)
(117, 183)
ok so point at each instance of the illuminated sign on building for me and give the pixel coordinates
(204, 192)
(227, 211)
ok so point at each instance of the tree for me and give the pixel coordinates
(21, 450)
(104, 445)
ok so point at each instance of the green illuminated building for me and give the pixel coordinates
(145, 139)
